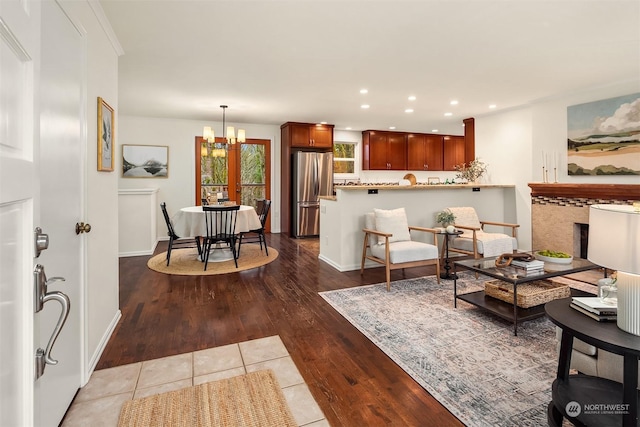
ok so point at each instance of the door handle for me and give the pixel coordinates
(81, 227)
(43, 357)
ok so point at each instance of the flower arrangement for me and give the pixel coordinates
(471, 173)
(445, 218)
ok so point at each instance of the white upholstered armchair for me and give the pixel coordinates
(387, 241)
(475, 240)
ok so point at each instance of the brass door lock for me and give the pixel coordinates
(81, 227)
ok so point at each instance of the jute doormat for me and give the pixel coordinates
(186, 262)
(251, 400)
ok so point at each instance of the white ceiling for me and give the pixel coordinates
(306, 61)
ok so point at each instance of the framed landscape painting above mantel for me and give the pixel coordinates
(604, 137)
(145, 161)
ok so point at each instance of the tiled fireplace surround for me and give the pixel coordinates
(557, 210)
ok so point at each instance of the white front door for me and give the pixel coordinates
(61, 189)
(19, 205)
(34, 182)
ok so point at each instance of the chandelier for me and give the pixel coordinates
(229, 132)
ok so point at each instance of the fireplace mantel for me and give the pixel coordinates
(591, 191)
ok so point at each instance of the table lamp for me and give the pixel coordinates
(614, 243)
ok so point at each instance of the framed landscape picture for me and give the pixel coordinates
(603, 137)
(145, 161)
(105, 136)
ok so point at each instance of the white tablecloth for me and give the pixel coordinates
(190, 222)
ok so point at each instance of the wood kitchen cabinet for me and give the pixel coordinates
(424, 152)
(384, 150)
(307, 135)
(454, 152)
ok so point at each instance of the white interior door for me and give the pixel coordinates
(19, 204)
(41, 184)
(61, 189)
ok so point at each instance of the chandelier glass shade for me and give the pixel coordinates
(229, 131)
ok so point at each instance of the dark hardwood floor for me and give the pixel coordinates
(353, 381)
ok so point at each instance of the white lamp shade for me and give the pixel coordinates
(614, 237)
(231, 132)
(614, 242)
(241, 136)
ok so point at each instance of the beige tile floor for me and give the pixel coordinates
(99, 402)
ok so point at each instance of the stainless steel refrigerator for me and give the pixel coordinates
(312, 178)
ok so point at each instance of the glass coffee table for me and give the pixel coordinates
(507, 310)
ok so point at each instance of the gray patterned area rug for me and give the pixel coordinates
(466, 358)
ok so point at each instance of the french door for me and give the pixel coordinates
(241, 171)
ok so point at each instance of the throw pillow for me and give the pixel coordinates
(392, 221)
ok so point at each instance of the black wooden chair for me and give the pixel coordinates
(221, 228)
(257, 236)
(176, 241)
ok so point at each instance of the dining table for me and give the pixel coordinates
(190, 222)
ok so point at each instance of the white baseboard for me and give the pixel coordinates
(135, 253)
(93, 360)
(343, 268)
(340, 268)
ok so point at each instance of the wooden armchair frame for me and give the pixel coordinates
(475, 253)
(387, 260)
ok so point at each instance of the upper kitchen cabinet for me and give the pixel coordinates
(454, 152)
(425, 152)
(307, 135)
(383, 150)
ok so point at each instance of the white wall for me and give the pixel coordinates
(178, 189)
(504, 143)
(101, 299)
(512, 142)
(550, 132)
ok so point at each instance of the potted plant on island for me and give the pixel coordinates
(471, 173)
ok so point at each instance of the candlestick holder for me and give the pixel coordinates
(544, 175)
(555, 175)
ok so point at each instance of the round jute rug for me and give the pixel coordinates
(186, 262)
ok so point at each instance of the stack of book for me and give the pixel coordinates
(595, 308)
(528, 267)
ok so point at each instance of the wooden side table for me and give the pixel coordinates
(585, 399)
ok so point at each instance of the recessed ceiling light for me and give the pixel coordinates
(454, 102)
(392, 127)
(363, 91)
(323, 123)
(365, 106)
(348, 128)
(434, 130)
(492, 106)
(412, 98)
(448, 114)
(409, 110)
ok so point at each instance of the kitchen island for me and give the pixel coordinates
(342, 216)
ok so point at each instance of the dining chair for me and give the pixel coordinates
(176, 241)
(220, 222)
(257, 235)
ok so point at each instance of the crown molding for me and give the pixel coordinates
(106, 26)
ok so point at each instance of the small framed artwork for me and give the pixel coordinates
(105, 136)
(145, 161)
